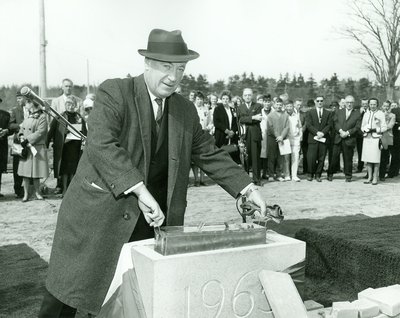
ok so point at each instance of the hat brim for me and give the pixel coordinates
(170, 58)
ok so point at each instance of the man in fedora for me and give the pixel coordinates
(133, 175)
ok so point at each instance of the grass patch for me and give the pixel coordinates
(353, 255)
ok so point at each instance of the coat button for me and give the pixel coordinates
(126, 216)
(112, 185)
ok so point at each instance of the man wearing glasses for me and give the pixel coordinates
(347, 125)
(318, 122)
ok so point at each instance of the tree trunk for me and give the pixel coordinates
(389, 91)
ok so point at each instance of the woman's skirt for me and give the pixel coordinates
(371, 152)
(35, 166)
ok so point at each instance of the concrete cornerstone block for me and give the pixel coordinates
(219, 283)
(282, 295)
(387, 298)
(344, 309)
(366, 308)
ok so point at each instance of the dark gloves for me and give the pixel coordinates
(24, 143)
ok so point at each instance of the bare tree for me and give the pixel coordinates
(377, 32)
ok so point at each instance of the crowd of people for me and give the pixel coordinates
(268, 136)
(277, 131)
(33, 131)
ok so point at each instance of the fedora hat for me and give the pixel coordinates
(168, 46)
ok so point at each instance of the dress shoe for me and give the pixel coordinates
(280, 179)
(374, 182)
(197, 184)
(24, 199)
(296, 179)
(382, 179)
(348, 179)
(318, 179)
(367, 182)
(202, 183)
(330, 178)
(258, 183)
(309, 178)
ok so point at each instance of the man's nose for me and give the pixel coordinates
(173, 74)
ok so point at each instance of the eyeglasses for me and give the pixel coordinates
(319, 100)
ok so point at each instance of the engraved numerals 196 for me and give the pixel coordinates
(213, 297)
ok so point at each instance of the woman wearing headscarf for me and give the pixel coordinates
(32, 134)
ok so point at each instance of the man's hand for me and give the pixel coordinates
(320, 134)
(257, 117)
(279, 139)
(149, 207)
(256, 198)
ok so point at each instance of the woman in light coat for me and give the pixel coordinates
(32, 134)
(373, 125)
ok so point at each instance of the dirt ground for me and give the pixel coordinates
(34, 222)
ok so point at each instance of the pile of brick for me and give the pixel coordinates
(371, 303)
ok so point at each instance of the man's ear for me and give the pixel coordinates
(147, 64)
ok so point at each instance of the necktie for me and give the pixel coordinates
(347, 114)
(319, 114)
(159, 113)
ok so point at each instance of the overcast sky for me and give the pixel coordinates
(266, 37)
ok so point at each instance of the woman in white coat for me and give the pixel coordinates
(372, 126)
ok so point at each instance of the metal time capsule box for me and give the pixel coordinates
(170, 240)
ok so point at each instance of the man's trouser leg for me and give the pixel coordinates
(54, 308)
(18, 189)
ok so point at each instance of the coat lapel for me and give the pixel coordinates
(176, 124)
(143, 107)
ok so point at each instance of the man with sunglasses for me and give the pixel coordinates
(318, 122)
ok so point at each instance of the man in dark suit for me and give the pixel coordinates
(4, 133)
(18, 114)
(250, 116)
(133, 175)
(395, 149)
(347, 123)
(225, 123)
(318, 122)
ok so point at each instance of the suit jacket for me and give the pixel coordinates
(352, 125)
(313, 125)
(4, 124)
(17, 117)
(95, 221)
(387, 136)
(221, 123)
(396, 131)
(253, 130)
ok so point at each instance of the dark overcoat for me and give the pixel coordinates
(221, 123)
(94, 223)
(17, 117)
(253, 130)
(4, 124)
(57, 133)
